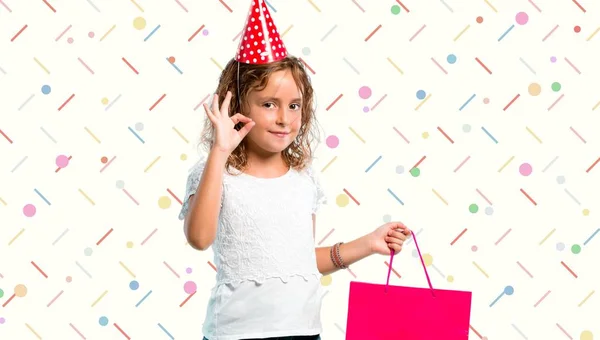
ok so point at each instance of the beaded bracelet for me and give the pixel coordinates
(339, 257)
(333, 260)
(336, 258)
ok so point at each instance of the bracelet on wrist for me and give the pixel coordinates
(338, 257)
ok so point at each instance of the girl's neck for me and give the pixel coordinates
(266, 166)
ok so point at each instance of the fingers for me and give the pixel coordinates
(215, 105)
(240, 121)
(398, 234)
(406, 233)
(401, 227)
(247, 127)
(213, 112)
(395, 247)
(394, 243)
(397, 225)
(397, 240)
(209, 113)
(238, 117)
(225, 105)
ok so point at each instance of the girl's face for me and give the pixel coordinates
(277, 113)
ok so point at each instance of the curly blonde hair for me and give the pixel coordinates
(254, 78)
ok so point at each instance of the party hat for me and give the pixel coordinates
(260, 42)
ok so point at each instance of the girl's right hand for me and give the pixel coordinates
(227, 138)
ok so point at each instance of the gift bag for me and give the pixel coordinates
(384, 312)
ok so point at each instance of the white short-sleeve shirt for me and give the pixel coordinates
(268, 284)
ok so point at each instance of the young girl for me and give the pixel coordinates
(254, 197)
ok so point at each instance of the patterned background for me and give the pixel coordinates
(471, 121)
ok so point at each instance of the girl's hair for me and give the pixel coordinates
(254, 78)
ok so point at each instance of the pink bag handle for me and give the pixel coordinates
(422, 262)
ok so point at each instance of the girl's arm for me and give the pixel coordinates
(351, 252)
(201, 221)
(381, 241)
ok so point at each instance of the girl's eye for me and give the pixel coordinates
(295, 106)
(268, 105)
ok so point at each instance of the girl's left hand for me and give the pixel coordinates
(387, 237)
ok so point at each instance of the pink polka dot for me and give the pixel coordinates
(62, 161)
(189, 287)
(91, 34)
(70, 40)
(332, 141)
(486, 100)
(522, 18)
(29, 210)
(474, 248)
(525, 169)
(364, 92)
(69, 279)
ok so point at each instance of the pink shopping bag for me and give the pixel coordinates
(384, 312)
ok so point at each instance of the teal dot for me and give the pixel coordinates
(103, 321)
(1, 293)
(46, 89)
(556, 87)
(451, 58)
(395, 10)
(415, 172)
(509, 290)
(576, 249)
(421, 94)
(134, 285)
(473, 208)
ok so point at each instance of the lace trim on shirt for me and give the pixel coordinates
(260, 280)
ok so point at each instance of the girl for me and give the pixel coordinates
(254, 197)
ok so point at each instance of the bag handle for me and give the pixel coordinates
(422, 262)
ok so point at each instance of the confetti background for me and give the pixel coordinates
(471, 121)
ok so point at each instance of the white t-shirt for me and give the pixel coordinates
(268, 284)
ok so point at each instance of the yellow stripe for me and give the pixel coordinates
(505, 164)
(127, 269)
(328, 164)
(16, 236)
(99, 298)
(108, 32)
(41, 65)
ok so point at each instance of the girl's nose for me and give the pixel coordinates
(283, 116)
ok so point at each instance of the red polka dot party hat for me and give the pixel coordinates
(260, 42)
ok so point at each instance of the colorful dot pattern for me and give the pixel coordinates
(432, 113)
